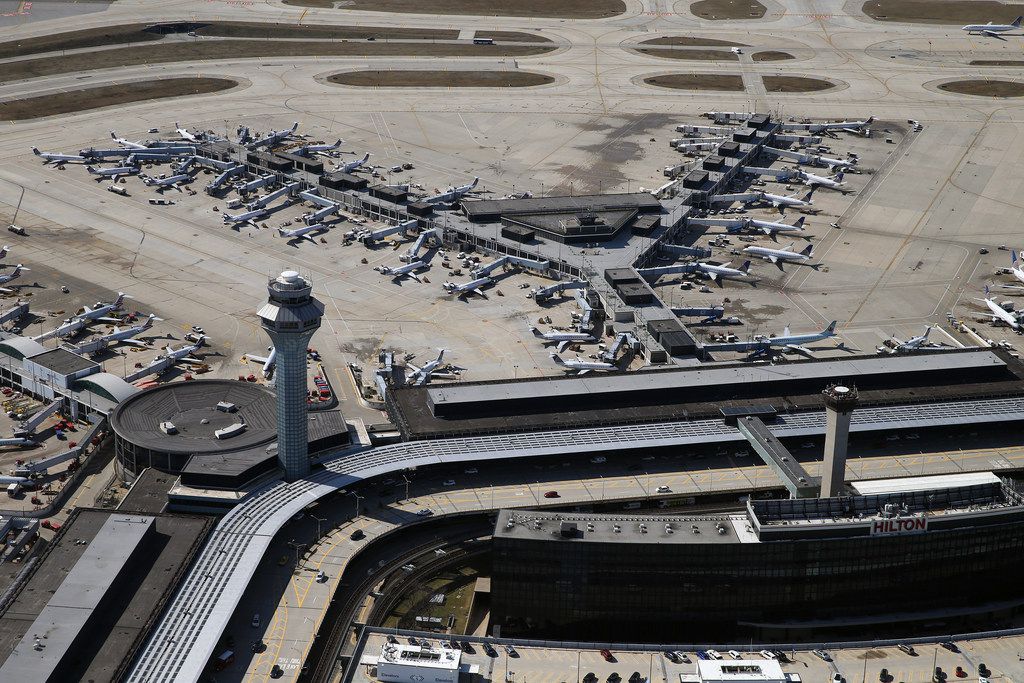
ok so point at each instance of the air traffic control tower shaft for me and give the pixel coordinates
(839, 404)
(291, 316)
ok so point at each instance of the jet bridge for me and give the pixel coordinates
(729, 198)
(320, 214)
(780, 173)
(800, 139)
(414, 251)
(718, 222)
(372, 238)
(262, 202)
(213, 163)
(223, 178)
(513, 260)
(688, 146)
(29, 426)
(253, 185)
(787, 154)
(687, 129)
(14, 312)
(621, 339)
(651, 274)
(794, 477)
(544, 293)
(698, 252)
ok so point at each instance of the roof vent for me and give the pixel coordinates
(226, 407)
(168, 427)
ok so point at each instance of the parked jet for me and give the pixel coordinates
(268, 361)
(353, 165)
(993, 30)
(408, 270)
(111, 172)
(54, 157)
(782, 202)
(249, 217)
(126, 143)
(834, 182)
(421, 375)
(472, 287)
(835, 125)
(181, 355)
(68, 328)
(306, 150)
(452, 194)
(563, 339)
(303, 232)
(770, 228)
(894, 345)
(169, 182)
(185, 135)
(582, 367)
(274, 137)
(10, 277)
(998, 312)
(127, 334)
(778, 256)
(1015, 266)
(723, 272)
(795, 342)
(102, 309)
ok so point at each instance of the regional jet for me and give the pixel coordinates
(795, 342)
(408, 270)
(421, 375)
(770, 228)
(894, 345)
(169, 182)
(723, 272)
(452, 194)
(127, 334)
(353, 165)
(267, 361)
(111, 172)
(56, 158)
(782, 202)
(778, 256)
(563, 339)
(466, 288)
(10, 277)
(185, 135)
(993, 30)
(303, 232)
(126, 143)
(1000, 313)
(181, 355)
(274, 137)
(834, 182)
(582, 367)
(102, 309)
(247, 218)
(306, 150)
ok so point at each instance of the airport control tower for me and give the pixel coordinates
(839, 404)
(291, 316)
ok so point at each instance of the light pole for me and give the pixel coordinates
(318, 521)
(358, 498)
(296, 546)
(407, 482)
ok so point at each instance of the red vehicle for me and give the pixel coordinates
(551, 494)
(53, 526)
(608, 656)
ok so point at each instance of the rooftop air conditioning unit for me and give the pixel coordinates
(168, 428)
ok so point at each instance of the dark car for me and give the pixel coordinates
(551, 494)
(951, 646)
(468, 648)
(258, 646)
(491, 652)
(608, 656)
(276, 671)
(358, 535)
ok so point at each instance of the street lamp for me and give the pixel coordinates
(407, 482)
(358, 498)
(297, 547)
(318, 521)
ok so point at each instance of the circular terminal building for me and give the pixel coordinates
(215, 433)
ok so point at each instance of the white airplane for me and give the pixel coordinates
(582, 367)
(782, 202)
(914, 343)
(56, 158)
(1000, 313)
(13, 275)
(126, 335)
(453, 193)
(181, 355)
(249, 217)
(1015, 267)
(102, 309)
(837, 125)
(771, 227)
(563, 339)
(185, 135)
(723, 272)
(778, 256)
(303, 232)
(111, 172)
(127, 143)
(275, 136)
(834, 182)
(466, 288)
(993, 30)
(305, 150)
(170, 181)
(795, 342)
(68, 328)
(21, 443)
(268, 361)
(421, 375)
(353, 165)
(408, 270)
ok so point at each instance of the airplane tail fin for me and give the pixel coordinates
(986, 290)
(927, 331)
(800, 223)
(91, 170)
(807, 197)
(558, 359)
(1016, 22)
(475, 181)
(35, 150)
(745, 267)
(838, 177)
(1013, 257)
(870, 120)
(440, 355)
(831, 326)
(536, 332)
(295, 126)
(808, 250)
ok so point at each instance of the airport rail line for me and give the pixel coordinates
(187, 634)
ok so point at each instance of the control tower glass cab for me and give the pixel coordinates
(290, 317)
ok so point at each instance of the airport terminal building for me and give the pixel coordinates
(900, 552)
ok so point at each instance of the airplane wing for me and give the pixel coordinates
(109, 320)
(563, 345)
(413, 276)
(582, 372)
(773, 259)
(255, 359)
(796, 348)
(195, 361)
(992, 34)
(133, 342)
(6, 290)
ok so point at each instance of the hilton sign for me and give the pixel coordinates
(899, 525)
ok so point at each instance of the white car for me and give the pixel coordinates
(598, 460)
(735, 654)
(663, 489)
(449, 482)
(767, 654)
(714, 654)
